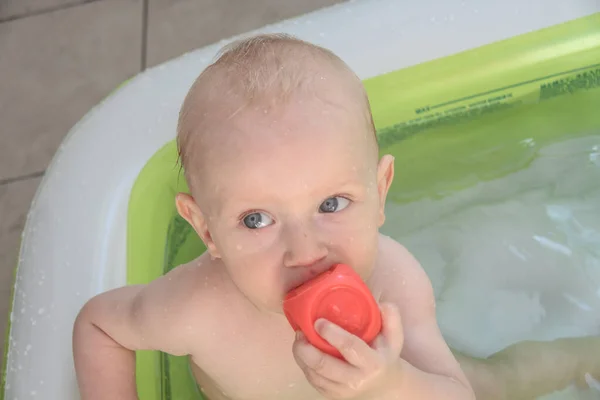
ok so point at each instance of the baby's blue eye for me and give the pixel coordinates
(334, 204)
(257, 220)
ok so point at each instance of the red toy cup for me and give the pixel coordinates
(338, 295)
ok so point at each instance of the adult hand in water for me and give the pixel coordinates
(365, 371)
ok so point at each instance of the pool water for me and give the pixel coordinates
(515, 258)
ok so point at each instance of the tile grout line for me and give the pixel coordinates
(8, 181)
(144, 50)
(45, 11)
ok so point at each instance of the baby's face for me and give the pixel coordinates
(291, 192)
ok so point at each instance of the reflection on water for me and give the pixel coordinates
(516, 258)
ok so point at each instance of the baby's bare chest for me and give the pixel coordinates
(252, 364)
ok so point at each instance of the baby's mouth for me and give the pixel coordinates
(304, 274)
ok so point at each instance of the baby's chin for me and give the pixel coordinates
(271, 305)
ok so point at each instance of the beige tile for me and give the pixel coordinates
(19, 8)
(15, 199)
(59, 65)
(178, 26)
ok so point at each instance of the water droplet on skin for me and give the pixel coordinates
(238, 247)
(403, 281)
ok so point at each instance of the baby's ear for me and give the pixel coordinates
(385, 176)
(190, 211)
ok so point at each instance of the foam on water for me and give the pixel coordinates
(516, 258)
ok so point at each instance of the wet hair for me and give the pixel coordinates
(267, 69)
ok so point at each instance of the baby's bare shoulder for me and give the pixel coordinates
(403, 280)
(183, 304)
(396, 261)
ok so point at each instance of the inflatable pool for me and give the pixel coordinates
(485, 107)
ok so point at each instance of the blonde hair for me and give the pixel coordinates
(266, 68)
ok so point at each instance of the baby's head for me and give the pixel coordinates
(279, 151)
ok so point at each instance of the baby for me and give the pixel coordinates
(279, 150)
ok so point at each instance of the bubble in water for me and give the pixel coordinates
(28, 347)
(552, 245)
(41, 311)
(529, 142)
(577, 302)
(514, 250)
(559, 213)
(592, 382)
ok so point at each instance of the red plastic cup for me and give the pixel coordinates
(338, 295)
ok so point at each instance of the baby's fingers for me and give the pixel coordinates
(313, 361)
(354, 350)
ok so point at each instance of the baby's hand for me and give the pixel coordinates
(365, 369)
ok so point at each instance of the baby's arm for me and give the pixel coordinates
(112, 325)
(431, 371)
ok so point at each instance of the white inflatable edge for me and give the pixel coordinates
(74, 240)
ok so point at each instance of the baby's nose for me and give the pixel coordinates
(303, 248)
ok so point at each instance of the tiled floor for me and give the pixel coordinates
(60, 57)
